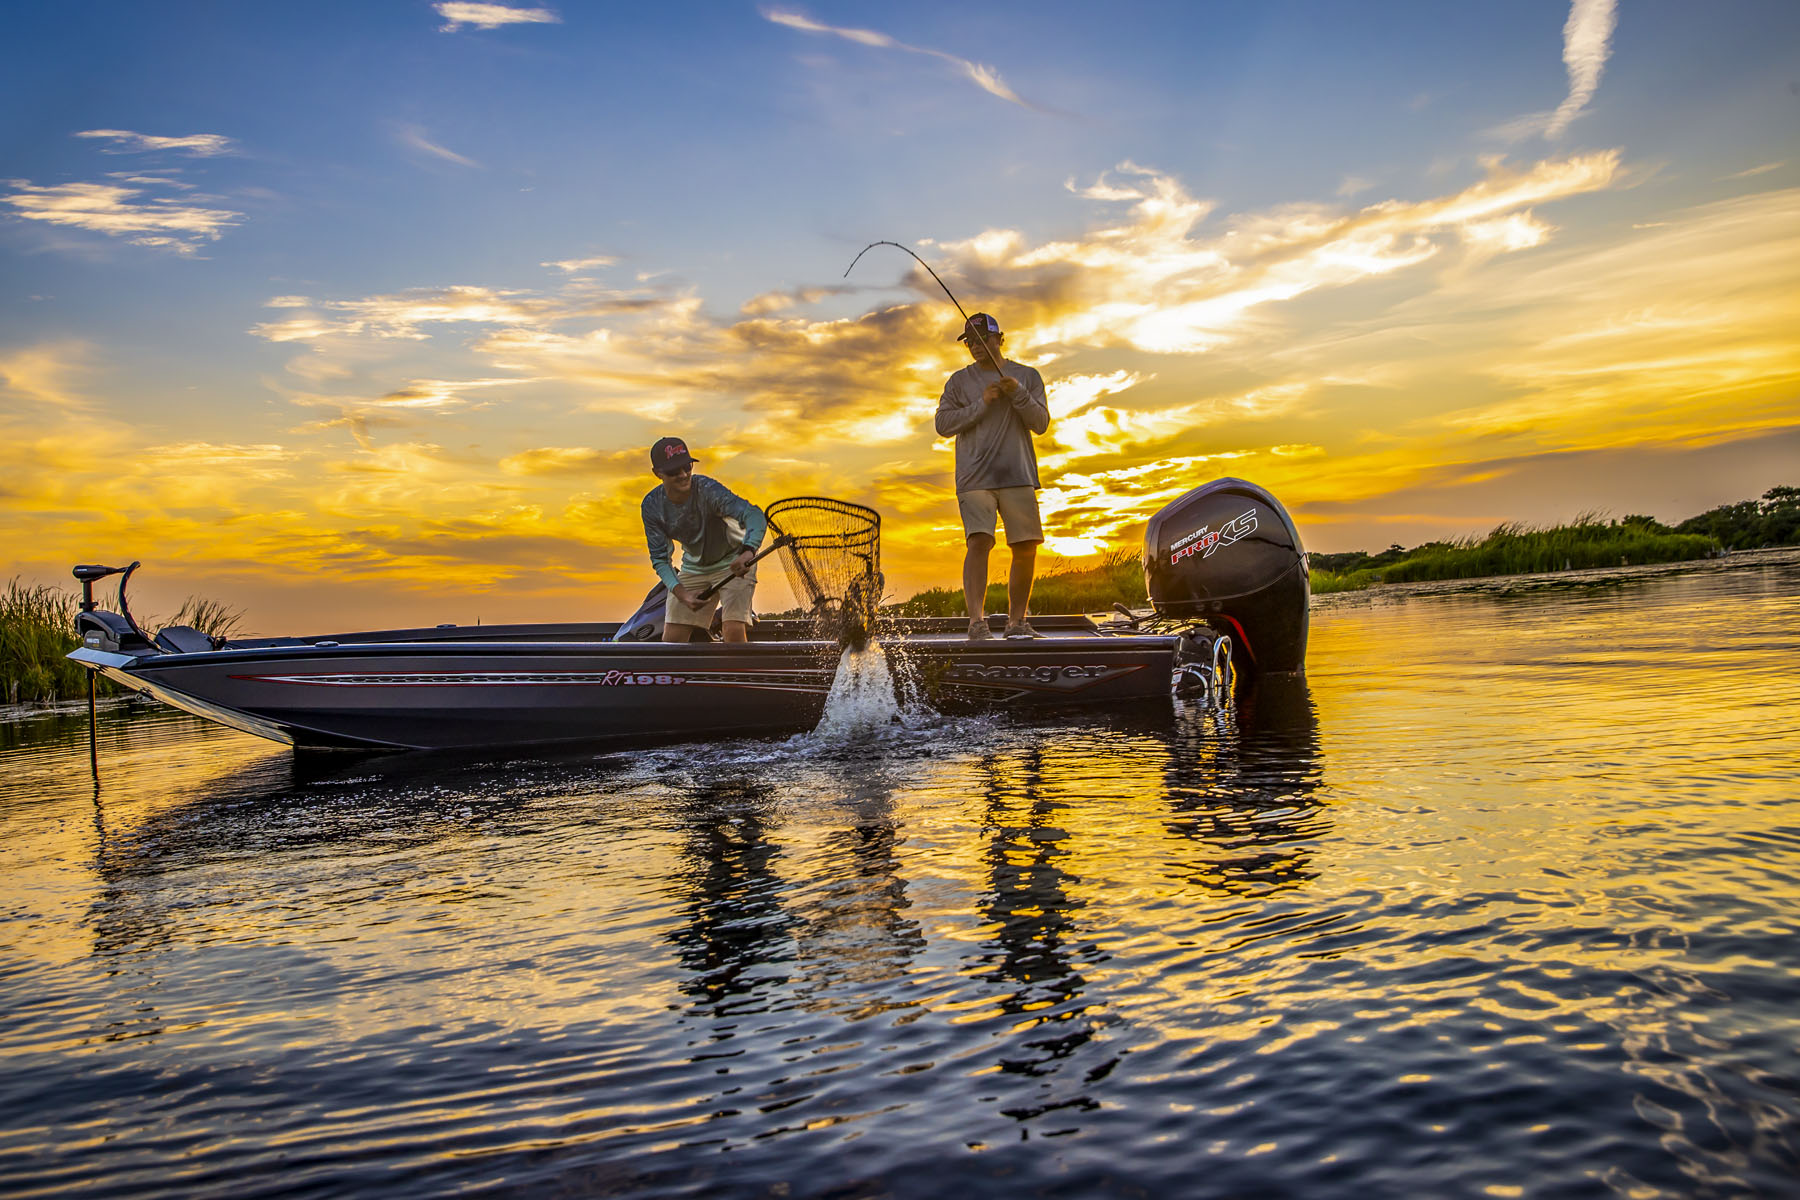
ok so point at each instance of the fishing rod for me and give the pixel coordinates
(993, 360)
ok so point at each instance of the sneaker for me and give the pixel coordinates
(1020, 629)
(978, 629)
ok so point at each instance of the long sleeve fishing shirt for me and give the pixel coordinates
(993, 441)
(702, 526)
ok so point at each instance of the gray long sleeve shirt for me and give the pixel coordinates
(993, 441)
(707, 542)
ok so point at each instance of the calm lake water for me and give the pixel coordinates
(1506, 902)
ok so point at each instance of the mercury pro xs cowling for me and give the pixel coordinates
(1227, 553)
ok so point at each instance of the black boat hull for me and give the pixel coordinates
(430, 689)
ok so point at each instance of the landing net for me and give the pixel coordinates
(833, 562)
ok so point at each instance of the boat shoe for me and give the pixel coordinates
(978, 629)
(1020, 629)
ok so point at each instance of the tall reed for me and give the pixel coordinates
(37, 631)
(37, 628)
(1516, 549)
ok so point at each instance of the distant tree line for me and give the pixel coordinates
(1747, 525)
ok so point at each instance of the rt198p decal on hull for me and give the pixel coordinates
(1206, 541)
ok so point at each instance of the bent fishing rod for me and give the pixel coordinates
(993, 359)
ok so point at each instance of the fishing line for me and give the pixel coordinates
(993, 361)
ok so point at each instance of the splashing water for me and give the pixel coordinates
(862, 702)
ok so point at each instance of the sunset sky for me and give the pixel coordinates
(366, 314)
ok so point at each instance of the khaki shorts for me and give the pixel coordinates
(734, 597)
(1017, 508)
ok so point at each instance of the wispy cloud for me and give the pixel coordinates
(1762, 169)
(574, 266)
(559, 460)
(400, 315)
(457, 13)
(197, 145)
(439, 393)
(981, 75)
(414, 136)
(1587, 41)
(120, 212)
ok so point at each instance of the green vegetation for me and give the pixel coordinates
(37, 627)
(37, 631)
(1514, 549)
(1117, 578)
(1749, 524)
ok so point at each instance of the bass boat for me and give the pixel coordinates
(1224, 570)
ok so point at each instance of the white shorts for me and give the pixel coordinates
(1017, 508)
(735, 598)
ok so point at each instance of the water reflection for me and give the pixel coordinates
(1242, 787)
(734, 939)
(1033, 952)
(857, 938)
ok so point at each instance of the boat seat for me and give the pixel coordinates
(183, 639)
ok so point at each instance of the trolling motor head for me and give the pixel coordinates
(1227, 553)
(99, 630)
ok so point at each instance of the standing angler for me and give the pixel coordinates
(993, 406)
(699, 512)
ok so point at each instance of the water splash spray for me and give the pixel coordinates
(863, 702)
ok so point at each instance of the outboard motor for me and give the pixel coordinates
(1227, 553)
(646, 624)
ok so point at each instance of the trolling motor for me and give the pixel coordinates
(98, 630)
(117, 633)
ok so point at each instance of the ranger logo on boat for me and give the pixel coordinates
(1207, 541)
(1042, 677)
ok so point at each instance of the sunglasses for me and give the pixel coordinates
(674, 472)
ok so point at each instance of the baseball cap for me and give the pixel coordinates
(979, 321)
(669, 452)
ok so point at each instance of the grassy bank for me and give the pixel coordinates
(37, 628)
(1513, 550)
(37, 631)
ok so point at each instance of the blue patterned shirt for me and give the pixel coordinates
(708, 543)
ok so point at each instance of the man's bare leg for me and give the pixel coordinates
(735, 631)
(1018, 580)
(975, 573)
(676, 633)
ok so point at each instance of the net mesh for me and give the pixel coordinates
(832, 555)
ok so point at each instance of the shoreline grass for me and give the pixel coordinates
(37, 631)
(1511, 549)
(1516, 549)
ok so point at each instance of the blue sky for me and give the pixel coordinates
(403, 290)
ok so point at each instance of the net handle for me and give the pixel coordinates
(771, 548)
